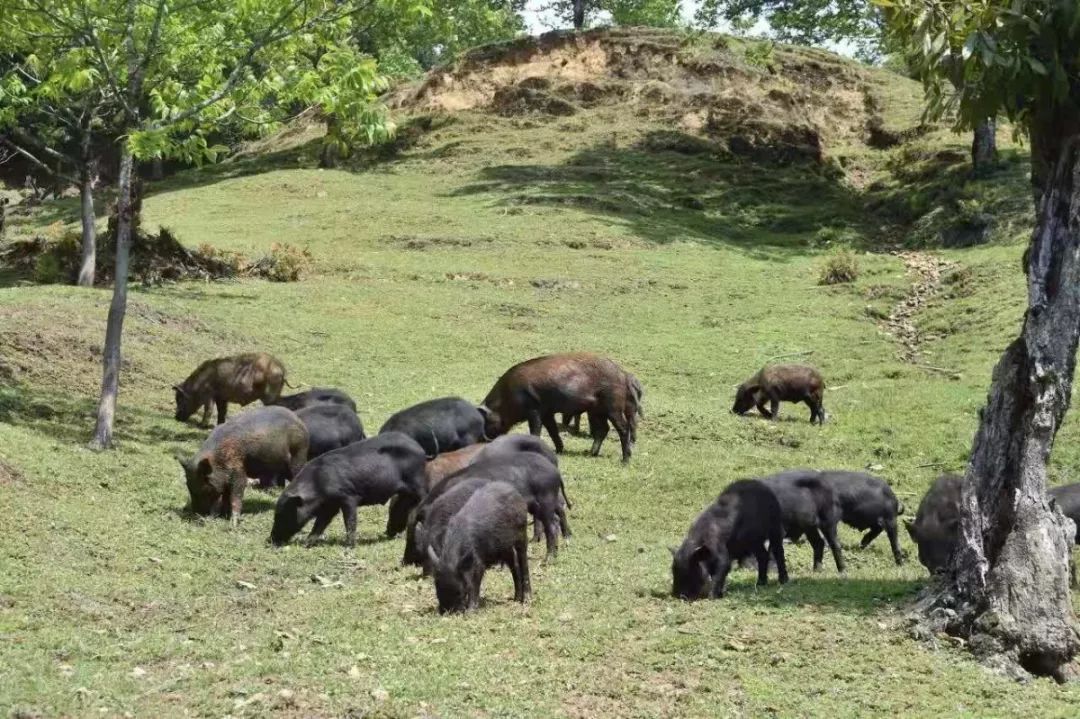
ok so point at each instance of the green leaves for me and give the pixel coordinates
(983, 57)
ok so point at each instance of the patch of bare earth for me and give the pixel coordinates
(9, 474)
(925, 271)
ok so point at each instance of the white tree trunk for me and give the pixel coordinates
(110, 380)
(89, 233)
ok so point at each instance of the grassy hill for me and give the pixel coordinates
(498, 229)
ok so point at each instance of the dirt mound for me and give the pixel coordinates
(154, 259)
(763, 100)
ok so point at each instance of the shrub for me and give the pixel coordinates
(839, 268)
(284, 263)
(48, 269)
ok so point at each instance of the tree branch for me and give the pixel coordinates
(38, 163)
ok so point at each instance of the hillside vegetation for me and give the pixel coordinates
(668, 200)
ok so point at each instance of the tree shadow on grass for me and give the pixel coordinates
(674, 187)
(70, 419)
(852, 595)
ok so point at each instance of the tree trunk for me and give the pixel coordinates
(157, 169)
(89, 233)
(579, 14)
(110, 380)
(329, 157)
(1008, 588)
(984, 146)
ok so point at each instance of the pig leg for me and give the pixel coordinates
(624, 436)
(890, 531)
(818, 544)
(398, 518)
(515, 572)
(762, 555)
(533, 418)
(829, 530)
(237, 484)
(206, 413)
(720, 572)
(762, 409)
(551, 534)
(553, 431)
(598, 428)
(522, 553)
(776, 547)
(869, 537)
(322, 521)
(222, 409)
(774, 407)
(348, 513)
(564, 525)
(536, 529)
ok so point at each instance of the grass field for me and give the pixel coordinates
(489, 242)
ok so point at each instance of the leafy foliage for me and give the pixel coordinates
(649, 13)
(1019, 57)
(807, 22)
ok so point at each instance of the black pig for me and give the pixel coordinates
(808, 506)
(867, 503)
(363, 473)
(330, 426)
(439, 425)
(735, 526)
(489, 529)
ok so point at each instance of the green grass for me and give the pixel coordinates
(434, 273)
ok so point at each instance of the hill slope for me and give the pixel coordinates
(491, 235)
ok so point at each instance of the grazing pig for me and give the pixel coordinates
(489, 529)
(535, 390)
(808, 505)
(735, 526)
(240, 379)
(867, 502)
(450, 463)
(314, 396)
(1068, 499)
(363, 473)
(782, 382)
(937, 523)
(439, 425)
(268, 443)
(330, 426)
(433, 528)
(435, 470)
(534, 477)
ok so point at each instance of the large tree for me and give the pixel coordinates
(857, 24)
(1007, 590)
(174, 69)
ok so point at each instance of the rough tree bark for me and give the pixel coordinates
(110, 381)
(984, 146)
(579, 14)
(88, 263)
(1008, 589)
(328, 159)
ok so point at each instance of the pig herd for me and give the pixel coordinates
(458, 485)
(463, 490)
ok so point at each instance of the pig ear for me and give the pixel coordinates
(701, 553)
(674, 550)
(432, 555)
(179, 389)
(203, 468)
(180, 458)
(910, 526)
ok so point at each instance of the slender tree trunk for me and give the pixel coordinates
(984, 146)
(157, 169)
(579, 14)
(110, 380)
(329, 157)
(1008, 589)
(89, 232)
